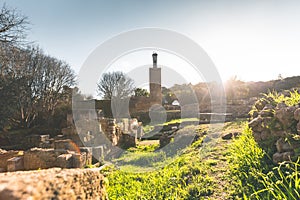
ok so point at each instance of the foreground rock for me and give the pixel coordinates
(52, 183)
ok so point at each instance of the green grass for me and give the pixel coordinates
(255, 177)
(220, 169)
(195, 173)
(184, 178)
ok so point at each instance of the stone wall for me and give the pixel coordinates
(6, 155)
(65, 155)
(55, 183)
(276, 128)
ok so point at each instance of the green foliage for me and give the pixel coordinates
(275, 97)
(293, 99)
(290, 100)
(254, 176)
(245, 161)
(181, 179)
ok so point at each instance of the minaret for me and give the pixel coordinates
(155, 82)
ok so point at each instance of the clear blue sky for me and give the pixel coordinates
(255, 40)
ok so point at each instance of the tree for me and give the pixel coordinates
(140, 92)
(33, 81)
(13, 25)
(115, 84)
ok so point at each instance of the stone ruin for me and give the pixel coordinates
(74, 148)
(276, 128)
(64, 155)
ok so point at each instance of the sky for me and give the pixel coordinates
(252, 40)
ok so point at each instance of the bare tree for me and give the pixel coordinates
(115, 84)
(13, 25)
(36, 82)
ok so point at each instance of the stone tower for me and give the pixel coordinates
(155, 82)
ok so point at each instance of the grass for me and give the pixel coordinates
(196, 173)
(217, 169)
(255, 177)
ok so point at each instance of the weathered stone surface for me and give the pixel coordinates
(38, 158)
(285, 115)
(15, 164)
(297, 114)
(79, 160)
(5, 155)
(64, 161)
(53, 183)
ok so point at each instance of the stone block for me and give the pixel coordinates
(53, 183)
(38, 158)
(15, 164)
(79, 160)
(5, 155)
(64, 161)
